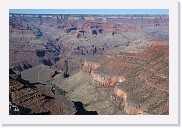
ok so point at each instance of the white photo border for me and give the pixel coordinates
(171, 119)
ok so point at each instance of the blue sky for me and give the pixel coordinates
(90, 11)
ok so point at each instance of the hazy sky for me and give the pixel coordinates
(90, 11)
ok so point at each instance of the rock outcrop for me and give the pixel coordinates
(137, 85)
(113, 64)
(38, 99)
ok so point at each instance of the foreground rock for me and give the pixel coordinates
(38, 99)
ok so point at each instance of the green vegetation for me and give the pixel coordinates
(48, 81)
(58, 90)
(152, 75)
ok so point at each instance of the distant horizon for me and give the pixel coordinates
(92, 11)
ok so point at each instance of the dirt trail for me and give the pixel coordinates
(39, 72)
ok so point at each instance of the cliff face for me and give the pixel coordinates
(127, 83)
(101, 79)
(106, 81)
(138, 83)
(37, 99)
(66, 35)
(126, 69)
(90, 66)
(121, 96)
(140, 93)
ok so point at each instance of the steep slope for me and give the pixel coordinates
(113, 64)
(38, 99)
(127, 83)
(147, 79)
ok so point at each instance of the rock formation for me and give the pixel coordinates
(108, 64)
(38, 99)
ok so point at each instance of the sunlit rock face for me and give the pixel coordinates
(117, 64)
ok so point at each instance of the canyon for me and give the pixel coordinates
(89, 64)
